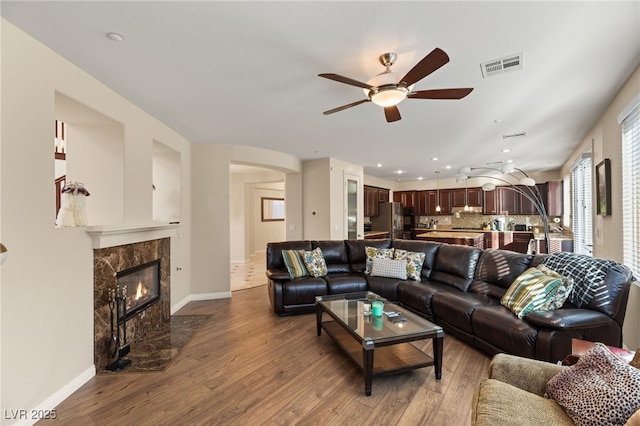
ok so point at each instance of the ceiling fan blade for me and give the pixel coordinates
(345, 80)
(441, 93)
(392, 114)
(340, 108)
(426, 66)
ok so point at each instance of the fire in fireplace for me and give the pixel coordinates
(142, 287)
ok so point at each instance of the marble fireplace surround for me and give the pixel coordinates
(117, 249)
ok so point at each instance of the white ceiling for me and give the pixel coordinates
(246, 73)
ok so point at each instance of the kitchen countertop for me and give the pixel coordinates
(450, 234)
(381, 234)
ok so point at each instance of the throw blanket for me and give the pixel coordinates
(587, 274)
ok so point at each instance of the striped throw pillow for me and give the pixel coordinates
(294, 263)
(530, 291)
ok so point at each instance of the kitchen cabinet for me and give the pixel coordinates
(422, 209)
(471, 197)
(508, 200)
(490, 205)
(491, 240)
(407, 198)
(372, 196)
(521, 241)
(445, 202)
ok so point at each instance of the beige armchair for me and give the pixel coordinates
(513, 394)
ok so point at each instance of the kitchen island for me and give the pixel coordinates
(474, 239)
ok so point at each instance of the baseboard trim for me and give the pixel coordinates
(196, 297)
(60, 395)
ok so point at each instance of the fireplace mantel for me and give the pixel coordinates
(118, 235)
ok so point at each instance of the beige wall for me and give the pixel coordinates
(606, 139)
(47, 282)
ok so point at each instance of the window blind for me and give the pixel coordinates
(582, 222)
(631, 189)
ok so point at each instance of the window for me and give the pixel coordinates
(582, 223)
(630, 120)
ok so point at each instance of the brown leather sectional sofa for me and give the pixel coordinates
(460, 289)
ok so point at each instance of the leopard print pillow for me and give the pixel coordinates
(600, 389)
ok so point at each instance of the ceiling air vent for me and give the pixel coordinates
(515, 135)
(498, 66)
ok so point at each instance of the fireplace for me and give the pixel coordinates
(139, 287)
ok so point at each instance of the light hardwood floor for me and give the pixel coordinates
(248, 366)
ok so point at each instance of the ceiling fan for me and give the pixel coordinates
(387, 90)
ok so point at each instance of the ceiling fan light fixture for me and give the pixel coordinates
(386, 97)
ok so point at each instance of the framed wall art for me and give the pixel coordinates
(603, 187)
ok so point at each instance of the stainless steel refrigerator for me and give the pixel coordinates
(390, 219)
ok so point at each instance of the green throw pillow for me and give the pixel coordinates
(294, 263)
(314, 261)
(530, 291)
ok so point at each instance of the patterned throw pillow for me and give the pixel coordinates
(373, 252)
(414, 259)
(314, 261)
(561, 295)
(294, 263)
(389, 268)
(587, 272)
(530, 291)
(600, 389)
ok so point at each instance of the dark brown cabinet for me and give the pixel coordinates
(521, 241)
(471, 197)
(373, 196)
(508, 200)
(407, 198)
(490, 203)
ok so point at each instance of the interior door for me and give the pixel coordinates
(352, 183)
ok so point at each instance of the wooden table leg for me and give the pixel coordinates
(318, 319)
(438, 343)
(367, 353)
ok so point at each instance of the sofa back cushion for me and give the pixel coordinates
(356, 254)
(496, 271)
(335, 255)
(429, 248)
(455, 265)
(274, 252)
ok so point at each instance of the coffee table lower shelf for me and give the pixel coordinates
(392, 359)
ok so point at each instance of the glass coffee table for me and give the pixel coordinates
(360, 335)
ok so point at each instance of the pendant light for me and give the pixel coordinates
(466, 195)
(438, 209)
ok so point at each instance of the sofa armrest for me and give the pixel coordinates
(524, 373)
(277, 275)
(568, 319)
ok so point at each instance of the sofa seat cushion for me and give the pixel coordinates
(418, 295)
(499, 403)
(456, 308)
(345, 283)
(385, 287)
(302, 291)
(502, 329)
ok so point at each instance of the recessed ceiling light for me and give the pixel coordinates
(434, 158)
(115, 36)
(420, 178)
(506, 150)
(400, 172)
(379, 165)
(447, 166)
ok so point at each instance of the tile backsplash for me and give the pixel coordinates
(475, 221)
